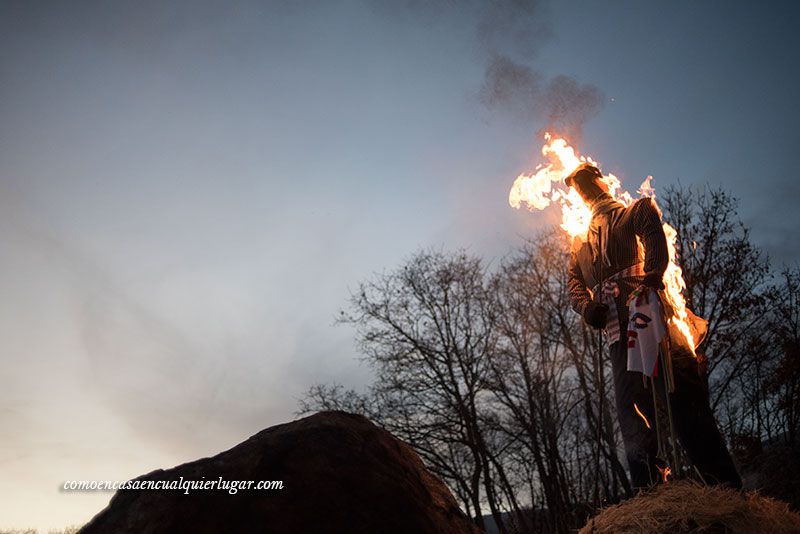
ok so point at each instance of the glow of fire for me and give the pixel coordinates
(546, 185)
(665, 473)
(640, 414)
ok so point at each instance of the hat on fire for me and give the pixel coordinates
(584, 174)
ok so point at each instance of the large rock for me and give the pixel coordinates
(340, 473)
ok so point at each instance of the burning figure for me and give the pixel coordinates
(625, 249)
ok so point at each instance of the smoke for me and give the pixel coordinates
(510, 37)
(512, 34)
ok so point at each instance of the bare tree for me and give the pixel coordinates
(547, 376)
(428, 330)
(753, 337)
(726, 276)
(494, 381)
(500, 386)
(770, 388)
(784, 383)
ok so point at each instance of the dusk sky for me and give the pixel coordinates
(189, 190)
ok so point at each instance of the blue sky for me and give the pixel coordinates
(190, 189)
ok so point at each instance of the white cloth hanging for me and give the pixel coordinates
(646, 331)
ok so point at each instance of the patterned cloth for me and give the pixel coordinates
(646, 331)
(610, 294)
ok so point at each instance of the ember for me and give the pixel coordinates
(665, 473)
(640, 414)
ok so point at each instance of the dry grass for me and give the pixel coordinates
(684, 506)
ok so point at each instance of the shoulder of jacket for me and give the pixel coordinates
(644, 201)
(645, 204)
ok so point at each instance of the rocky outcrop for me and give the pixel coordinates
(340, 473)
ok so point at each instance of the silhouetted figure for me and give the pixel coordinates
(625, 267)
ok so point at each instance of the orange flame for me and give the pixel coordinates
(665, 473)
(546, 185)
(640, 414)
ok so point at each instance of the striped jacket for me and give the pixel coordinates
(623, 230)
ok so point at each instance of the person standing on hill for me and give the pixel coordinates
(612, 250)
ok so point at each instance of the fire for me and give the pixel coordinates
(665, 473)
(546, 185)
(640, 414)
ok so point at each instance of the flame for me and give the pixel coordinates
(546, 185)
(675, 285)
(665, 473)
(640, 414)
(538, 191)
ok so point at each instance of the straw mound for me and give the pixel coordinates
(683, 506)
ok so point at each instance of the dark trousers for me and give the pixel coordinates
(694, 421)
